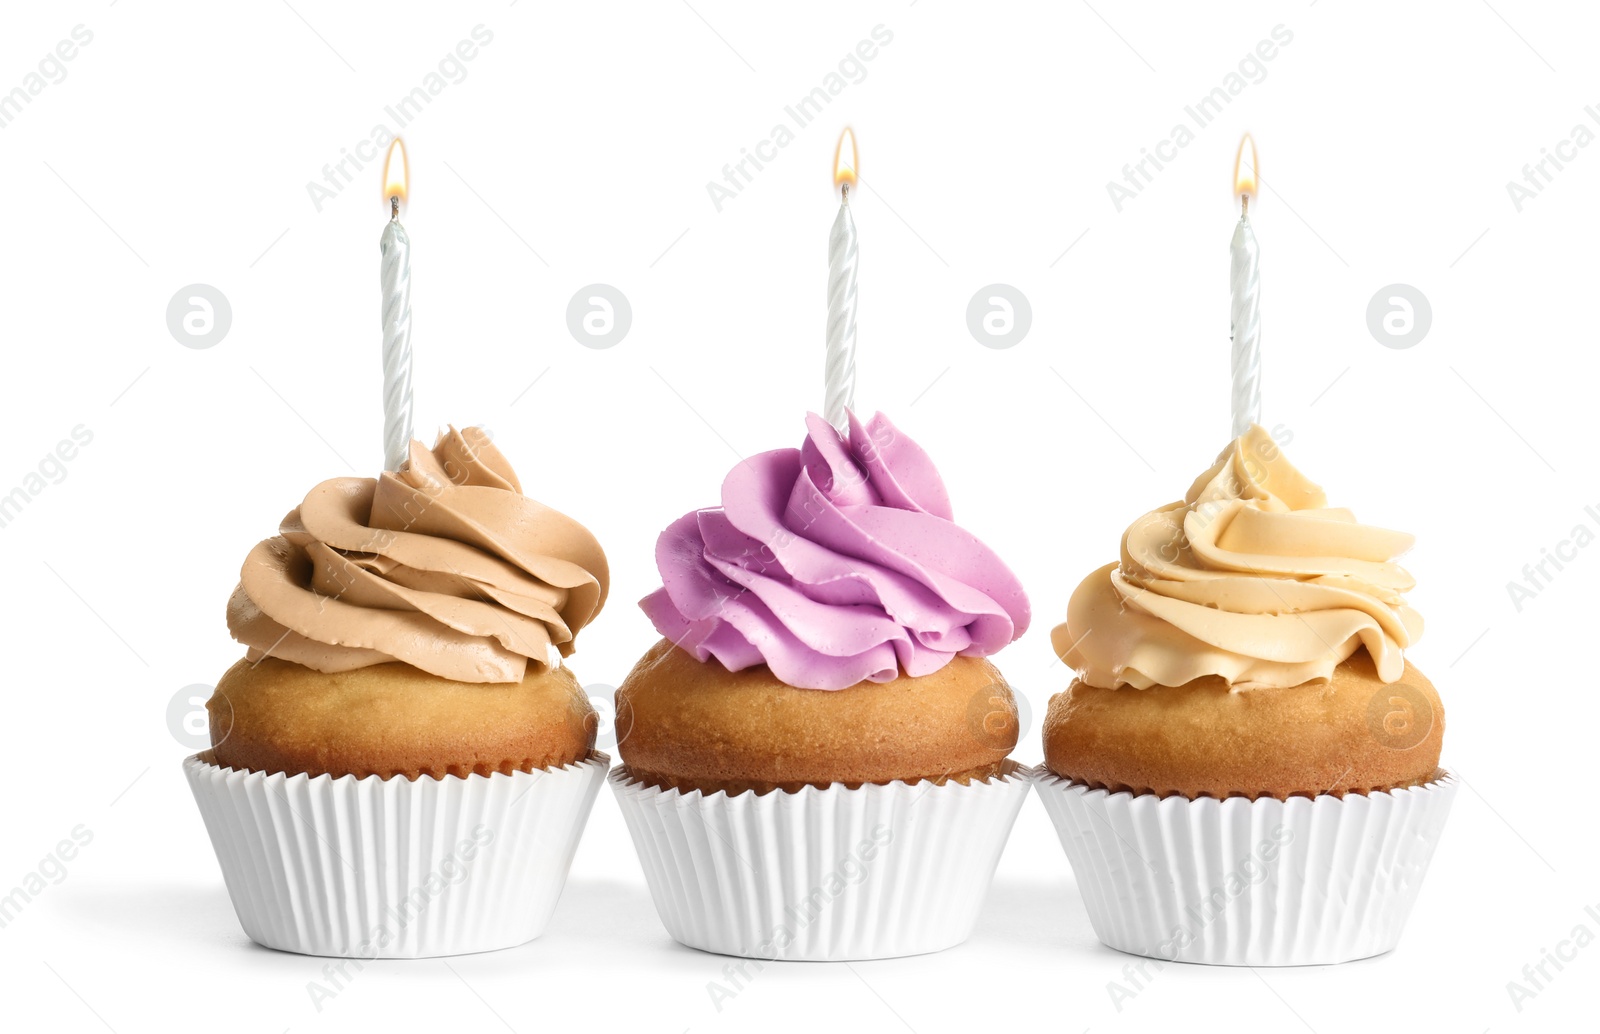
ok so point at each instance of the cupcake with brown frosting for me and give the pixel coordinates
(402, 686)
(1241, 673)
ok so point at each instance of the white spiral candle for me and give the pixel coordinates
(395, 279)
(839, 396)
(1245, 284)
(396, 248)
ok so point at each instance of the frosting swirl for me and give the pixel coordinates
(1252, 577)
(834, 563)
(444, 565)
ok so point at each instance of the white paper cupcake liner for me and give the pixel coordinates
(829, 874)
(1248, 883)
(375, 868)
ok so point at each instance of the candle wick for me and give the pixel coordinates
(844, 193)
(1244, 206)
(394, 207)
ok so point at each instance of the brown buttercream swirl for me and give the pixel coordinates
(444, 565)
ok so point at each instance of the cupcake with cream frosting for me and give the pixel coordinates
(1243, 691)
(823, 667)
(400, 764)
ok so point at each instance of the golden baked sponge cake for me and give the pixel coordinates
(823, 665)
(391, 719)
(402, 720)
(696, 725)
(1242, 668)
(1204, 739)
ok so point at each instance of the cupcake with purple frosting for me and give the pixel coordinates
(816, 752)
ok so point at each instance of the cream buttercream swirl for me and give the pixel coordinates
(444, 565)
(1252, 577)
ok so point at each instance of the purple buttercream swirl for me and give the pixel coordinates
(832, 563)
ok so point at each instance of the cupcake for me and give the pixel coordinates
(1246, 770)
(400, 766)
(815, 754)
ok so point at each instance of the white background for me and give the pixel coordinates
(178, 148)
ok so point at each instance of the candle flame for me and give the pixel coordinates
(845, 160)
(1245, 168)
(396, 174)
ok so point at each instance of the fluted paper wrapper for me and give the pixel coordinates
(1237, 882)
(830, 874)
(395, 868)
